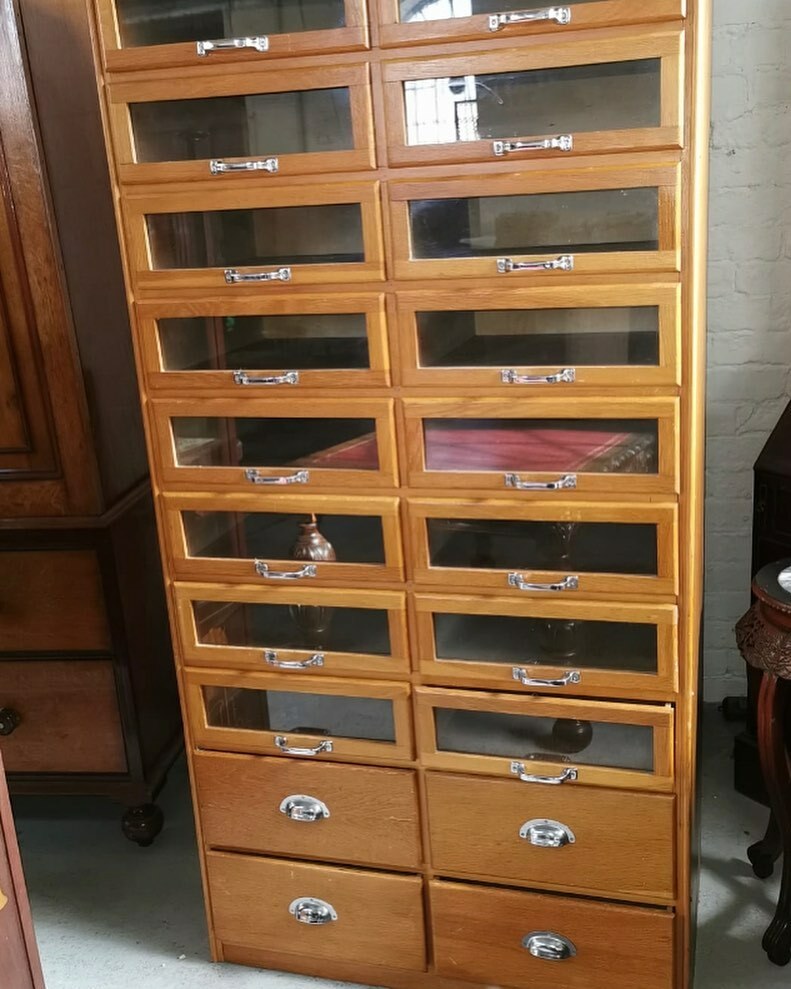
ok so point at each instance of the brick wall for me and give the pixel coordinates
(749, 346)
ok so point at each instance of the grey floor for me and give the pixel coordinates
(109, 915)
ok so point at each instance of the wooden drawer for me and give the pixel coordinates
(610, 843)
(298, 630)
(246, 538)
(557, 99)
(403, 23)
(276, 714)
(68, 717)
(561, 549)
(481, 933)
(534, 227)
(590, 445)
(365, 816)
(162, 39)
(249, 347)
(275, 443)
(589, 648)
(377, 918)
(51, 601)
(541, 740)
(558, 340)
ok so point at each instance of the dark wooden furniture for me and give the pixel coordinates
(771, 541)
(87, 698)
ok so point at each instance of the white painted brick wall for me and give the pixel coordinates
(749, 343)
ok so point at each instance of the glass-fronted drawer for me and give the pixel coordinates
(251, 240)
(149, 34)
(317, 444)
(546, 739)
(554, 100)
(283, 538)
(545, 550)
(544, 445)
(276, 714)
(588, 648)
(552, 339)
(253, 346)
(426, 21)
(296, 630)
(538, 225)
(264, 124)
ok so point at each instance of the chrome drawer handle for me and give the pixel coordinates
(299, 807)
(564, 263)
(518, 581)
(563, 142)
(521, 674)
(561, 15)
(281, 741)
(233, 277)
(259, 44)
(310, 910)
(548, 946)
(255, 477)
(510, 377)
(262, 569)
(219, 167)
(562, 483)
(547, 834)
(270, 656)
(286, 378)
(567, 776)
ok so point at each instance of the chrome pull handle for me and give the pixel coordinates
(219, 167)
(563, 263)
(518, 581)
(563, 142)
(520, 674)
(255, 477)
(310, 910)
(286, 378)
(561, 15)
(259, 44)
(308, 810)
(548, 946)
(568, 375)
(262, 569)
(270, 657)
(562, 483)
(281, 741)
(547, 834)
(567, 776)
(233, 277)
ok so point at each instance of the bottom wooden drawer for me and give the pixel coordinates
(68, 718)
(366, 917)
(534, 941)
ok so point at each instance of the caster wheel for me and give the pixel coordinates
(142, 824)
(763, 864)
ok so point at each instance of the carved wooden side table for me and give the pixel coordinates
(764, 639)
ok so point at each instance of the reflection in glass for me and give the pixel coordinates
(321, 341)
(276, 235)
(243, 126)
(519, 736)
(155, 22)
(511, 544)
(594, 645)
(336, 444)
(624, 336)
(553, 222)
(594, 446)
(440, 10)
(301, 714)
(577, 99)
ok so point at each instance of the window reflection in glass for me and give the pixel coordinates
(440, 10)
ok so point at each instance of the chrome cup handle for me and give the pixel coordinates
(549, 946)
(303, 808)
(544, 833)
(311, 910)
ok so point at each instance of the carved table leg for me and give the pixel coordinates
(142, 824)
(772, 703)
(764, 853)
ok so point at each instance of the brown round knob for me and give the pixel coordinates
(10, 720)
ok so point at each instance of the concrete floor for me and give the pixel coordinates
(109, 915)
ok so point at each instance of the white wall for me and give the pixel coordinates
(749, 348)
